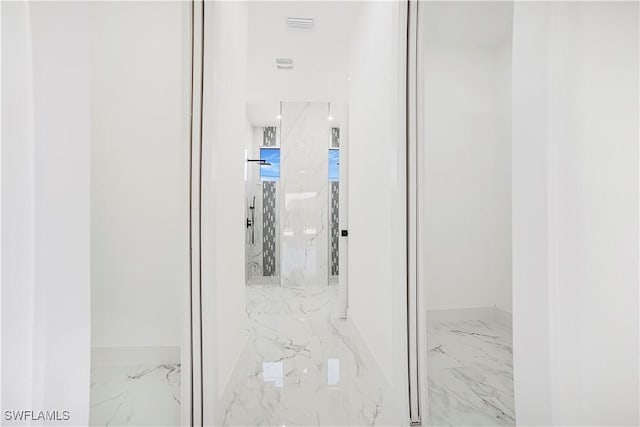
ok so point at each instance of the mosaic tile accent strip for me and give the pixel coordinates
(335, 137)
(269, 136)
(334, 226)
(269, 212)
(269, 230)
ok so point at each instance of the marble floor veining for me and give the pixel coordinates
(470, 374)
(303, 368)
(135, 395)
(300, 368)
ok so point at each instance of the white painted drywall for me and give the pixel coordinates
(597, 222)
(532, 377)
(377, 294)
(18, 210)
(45, 198)
(138, 174)
(594, 129)
(467, 172)
(575, 212)
(223, 203)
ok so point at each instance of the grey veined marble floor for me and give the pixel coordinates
(302, 368)
(470, 370)
(135, 396)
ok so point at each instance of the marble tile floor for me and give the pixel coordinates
(302, 368)
(470, 374)
(135, 396)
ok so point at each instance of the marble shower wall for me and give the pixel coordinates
(263, 254)
(304, 190)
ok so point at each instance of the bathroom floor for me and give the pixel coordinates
(135, 396)
(301, 367)
(470, 372)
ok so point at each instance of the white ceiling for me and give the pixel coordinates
(479, 23)
(320, 56)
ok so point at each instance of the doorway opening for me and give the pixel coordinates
(303, 233)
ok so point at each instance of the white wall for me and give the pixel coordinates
(18, 282)
(575, 206)
(138, 174)
(377, 295)
(223, 209)
(45, 199)
(531, 323)
(467, 179)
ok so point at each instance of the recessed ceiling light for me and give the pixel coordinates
(330, 118)
(279, 117)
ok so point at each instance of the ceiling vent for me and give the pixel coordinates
(300, 23)
(284, 63)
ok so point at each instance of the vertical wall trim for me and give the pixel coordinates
(555, 51)
(200, 215)
(412, 215)
(191, 97)
(421, 299)
(195, 216)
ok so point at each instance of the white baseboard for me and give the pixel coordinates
(472, 313)
(133, 356)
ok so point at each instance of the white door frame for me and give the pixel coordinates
(416, 302)
(191, 402)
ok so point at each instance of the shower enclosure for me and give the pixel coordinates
(292, 193)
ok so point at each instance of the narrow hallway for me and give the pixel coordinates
(301, 367)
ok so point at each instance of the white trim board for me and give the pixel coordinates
(472, 313)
